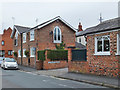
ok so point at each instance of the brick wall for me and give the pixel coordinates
(106, 65)
(7, 42)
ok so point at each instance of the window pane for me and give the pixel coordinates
(99, 46)
(58, 34)
(55, 34)
(2, 42)
(106, 45)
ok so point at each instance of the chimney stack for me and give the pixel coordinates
(80, 27)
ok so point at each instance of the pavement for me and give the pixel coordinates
(86, 78)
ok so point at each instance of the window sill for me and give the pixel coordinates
(102, 53)
(32, 40)
(24, 42)
(117, 54)
(57, 42)
(32, 56)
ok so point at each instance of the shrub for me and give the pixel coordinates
(61, 46)
(27, 53)
(57, 54)
(41, 55)
(15, 54)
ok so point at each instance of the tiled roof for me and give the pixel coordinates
(79, 45)
(104, 26)
(22, 29)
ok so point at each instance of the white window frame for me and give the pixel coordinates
(32, 37)
(19, 53)
(57, 41)
(24, 52)
(31, 53)
(24, 37)
(118, 38)
(103, 52)
(16, 37)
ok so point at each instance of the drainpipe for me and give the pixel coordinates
(21, 48)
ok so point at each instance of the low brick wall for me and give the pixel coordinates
(54, 64)
(78, 66)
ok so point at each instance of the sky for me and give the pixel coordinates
(25, 12)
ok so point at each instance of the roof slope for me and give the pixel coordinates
(104, 26)
(79, 45)
(22, 29)
(52, 20)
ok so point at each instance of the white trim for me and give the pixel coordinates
(57, 41)
(103, 32)
(24, 52)
(55, 20)
(118, 52)
(30, 35)
(19, 53)
(13, 31)
(23, 37)
(102, 52)
(31, 52)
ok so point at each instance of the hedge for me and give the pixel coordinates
(41, 55)
(57, 54)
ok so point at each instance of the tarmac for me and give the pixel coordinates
(86, 78)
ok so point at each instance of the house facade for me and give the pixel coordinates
(6, 46)
(103, 50)
(44, 36)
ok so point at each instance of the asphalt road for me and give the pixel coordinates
(20, 79)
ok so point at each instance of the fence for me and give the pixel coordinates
(79, 55)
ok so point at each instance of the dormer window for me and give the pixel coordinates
(57, 35)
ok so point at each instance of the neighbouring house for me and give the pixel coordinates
(80, 39)
(6, 46)
(41, 37)
(103, 50)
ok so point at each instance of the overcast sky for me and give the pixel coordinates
(73, 12)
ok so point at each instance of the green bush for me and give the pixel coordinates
(27, 53)
(15, 54)
(61, 46)
(41, 55)
(57, 54)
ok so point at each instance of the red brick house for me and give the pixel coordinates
(103, 50)
(41, 37)
(6, 46)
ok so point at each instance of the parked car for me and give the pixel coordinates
(1, 59)
(9, 63)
